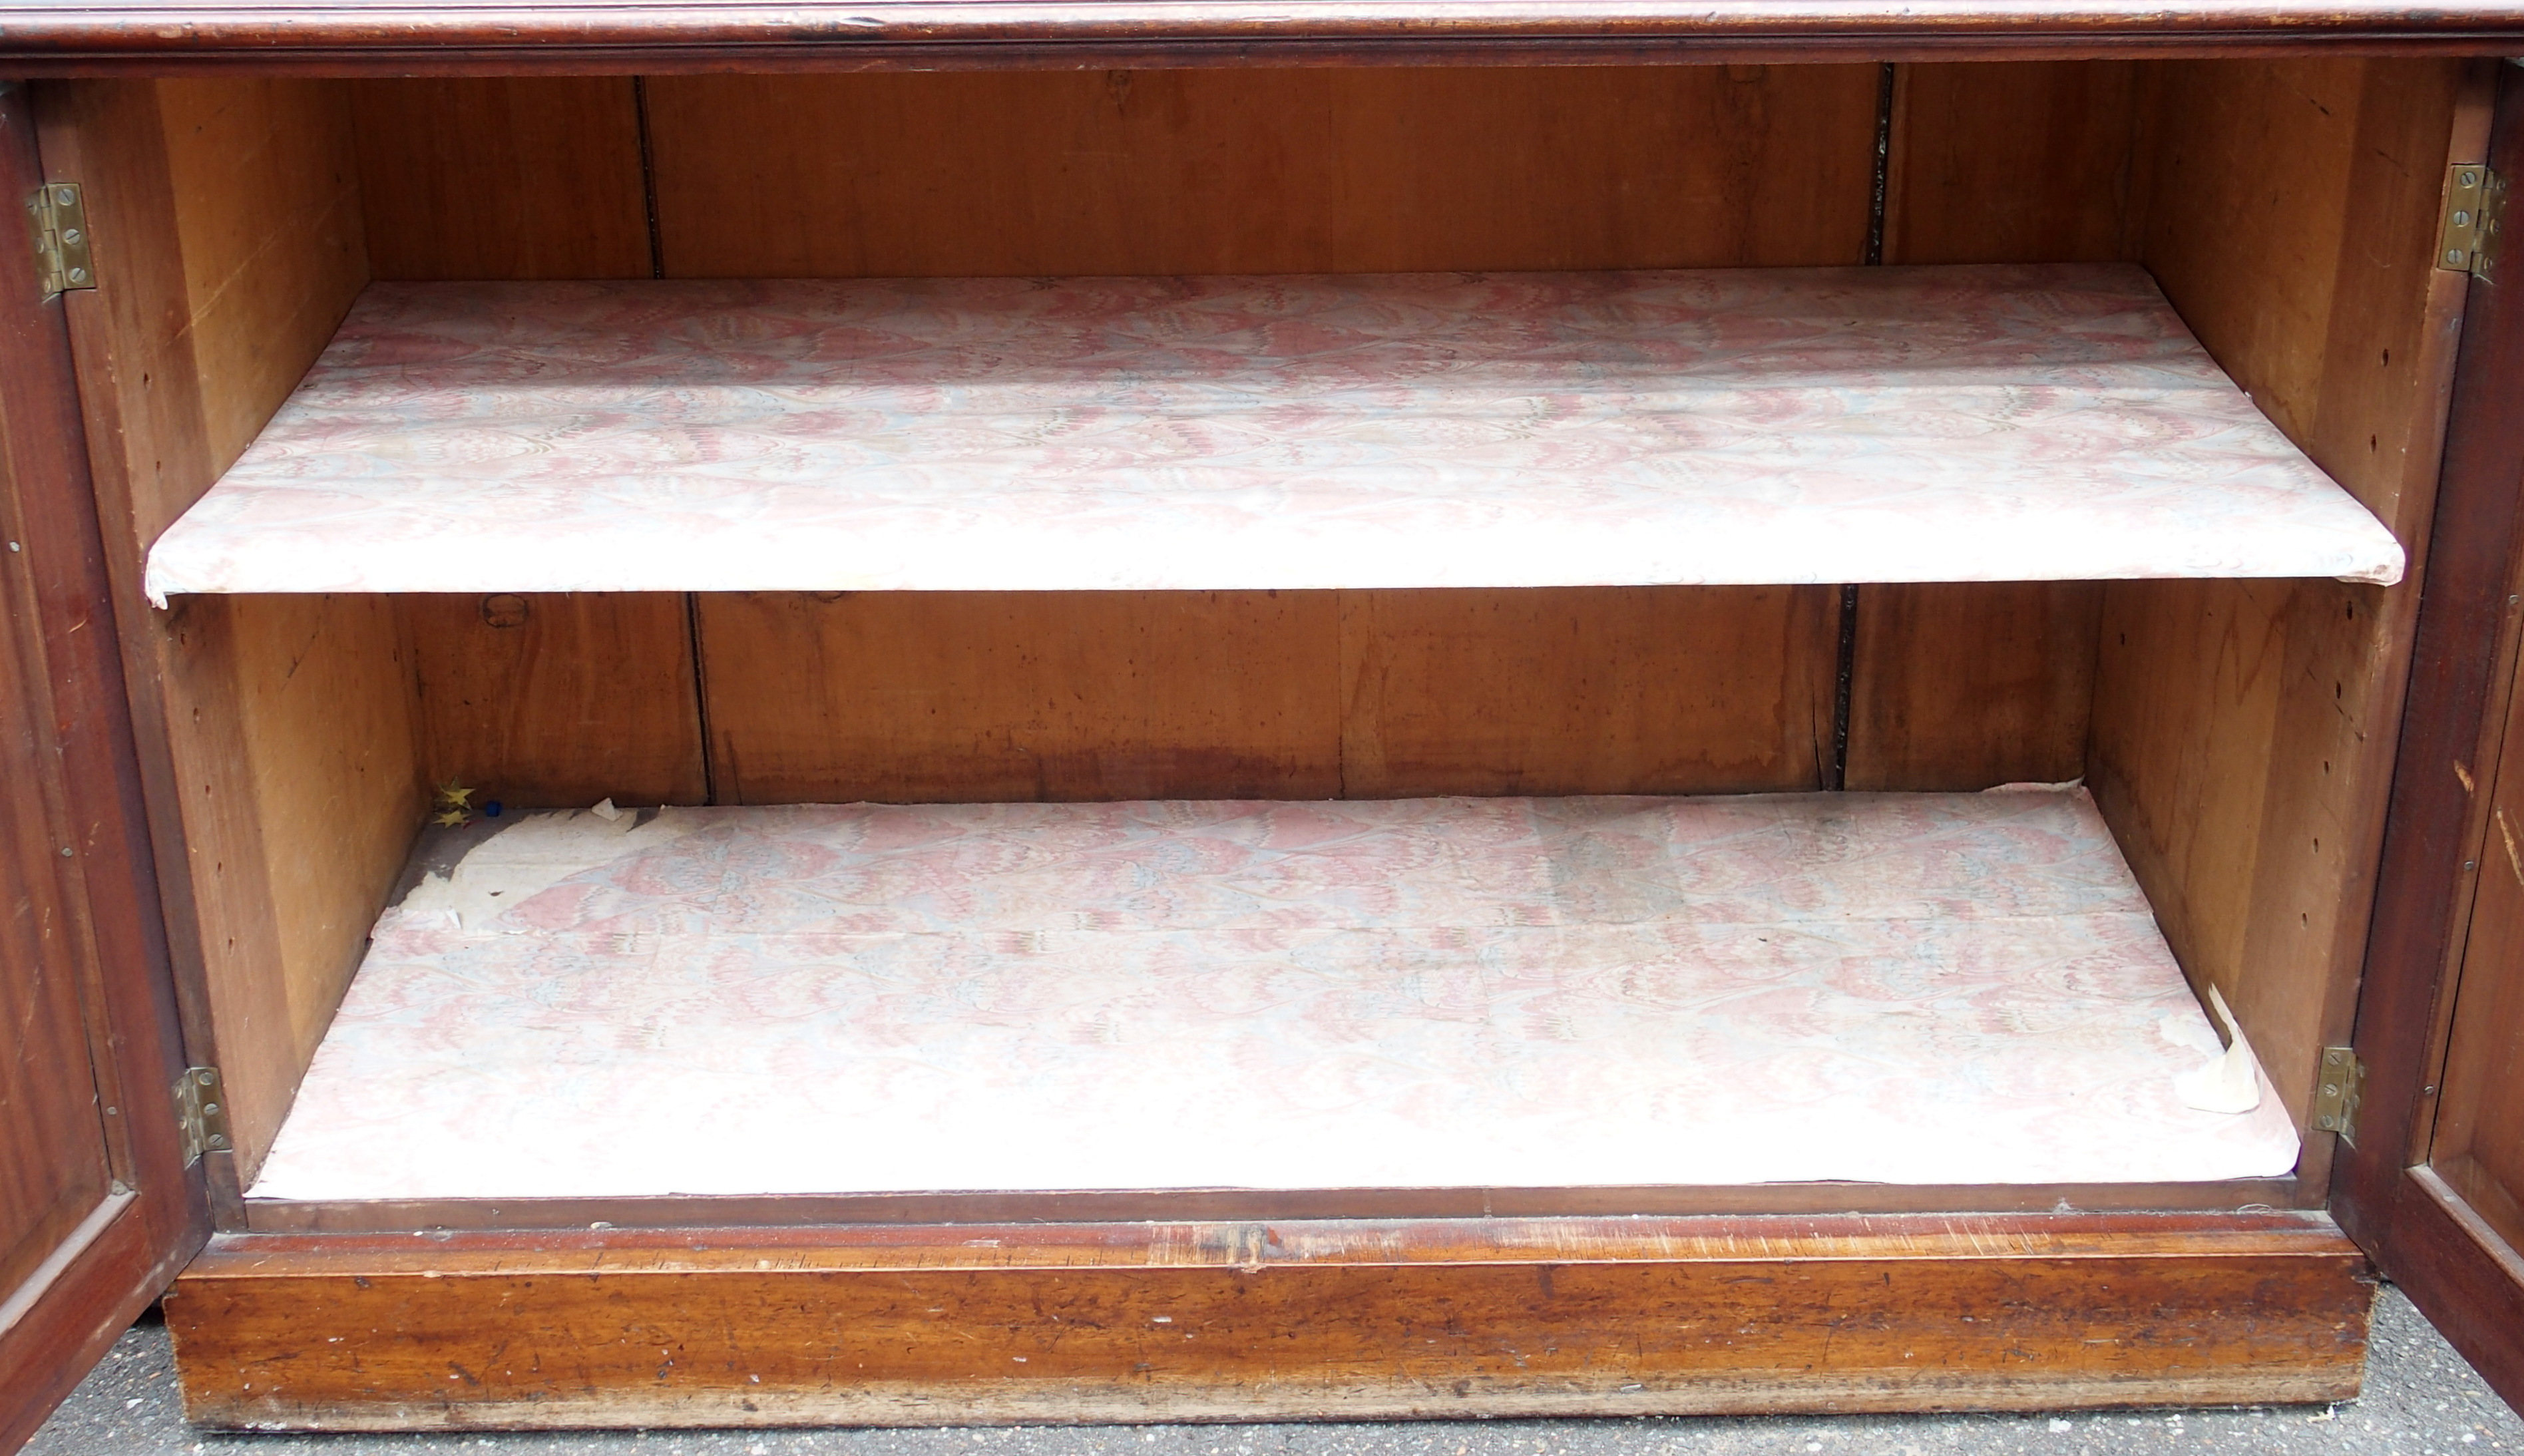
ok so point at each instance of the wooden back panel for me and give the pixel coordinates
(1963, 686)
(1257, 171)
(1097, 695)
(1290, 694)
(501, 177)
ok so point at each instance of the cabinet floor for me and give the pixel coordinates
(1451, 992)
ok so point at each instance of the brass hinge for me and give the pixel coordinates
(2475, 196)
(201, 1114)
(2338, 1088)
(59, 216)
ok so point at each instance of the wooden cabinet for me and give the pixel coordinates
(1421, 730)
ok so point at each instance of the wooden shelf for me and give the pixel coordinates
(1449, 993)
(1743, 426)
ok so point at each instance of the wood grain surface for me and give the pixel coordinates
(97, 1207)
(390, 38)
(1260, 171)
(1960, 686)
(2029, 163)
(2242, 731)
(2477, 1144)
(558, 700)
(1176, 1205)
(282, 799)
(267, 203)
(503, 177)
(2442, 849)
(2436, 1181)
(1621, 690)
(946, 697)
(964, 1324)
(61, 1165)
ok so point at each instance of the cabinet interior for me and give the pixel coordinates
(2237, 735)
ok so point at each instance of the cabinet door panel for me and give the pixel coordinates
(56, 1166)
(2477, 1145)
(98, 1207)
(2470, 1143)
(2430, 1186)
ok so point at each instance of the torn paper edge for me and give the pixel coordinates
(526, 858)
(2231, 1083)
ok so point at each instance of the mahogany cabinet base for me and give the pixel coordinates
(963, 1323)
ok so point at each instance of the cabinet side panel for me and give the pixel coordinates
(1963, 686)
(277, 737)
(503, 177)
(1262, 171)
(321, 695)
(267, 203)
(2243, 733)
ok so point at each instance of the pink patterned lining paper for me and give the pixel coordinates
(1954, 423)
(1433, 993)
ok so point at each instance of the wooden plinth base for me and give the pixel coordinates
(956, 1324)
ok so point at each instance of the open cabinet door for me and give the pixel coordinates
(2433, 1185)
(98, 1205)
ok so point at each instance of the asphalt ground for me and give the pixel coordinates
(2421, 1399)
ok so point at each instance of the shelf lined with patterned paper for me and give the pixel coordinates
(1965, 423)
